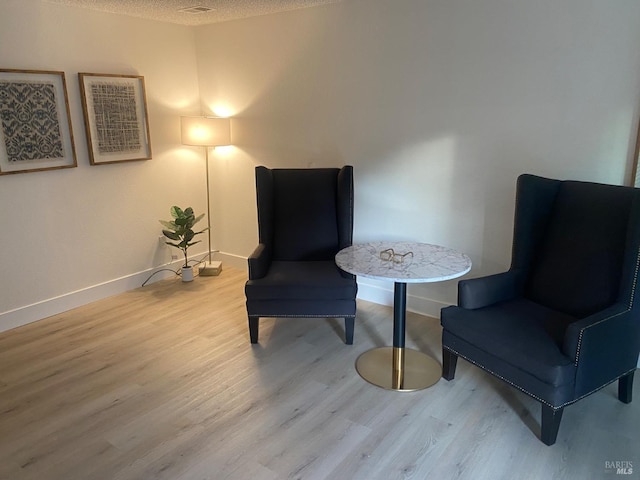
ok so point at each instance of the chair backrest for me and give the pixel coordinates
(583, 250)
(305, 214)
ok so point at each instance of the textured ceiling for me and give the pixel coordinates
(169, 10)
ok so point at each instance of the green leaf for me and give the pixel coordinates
(171, 235)
(176, 212)
(180, 229)
(169, 225)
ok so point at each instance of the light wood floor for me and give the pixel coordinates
(162, 383)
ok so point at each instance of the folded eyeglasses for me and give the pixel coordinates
(389, 255)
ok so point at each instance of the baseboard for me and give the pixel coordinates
(370, 290)
(382, 293)
(232, 260)
(62, 303)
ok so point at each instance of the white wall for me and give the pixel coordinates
(439, 105)
(73, 235)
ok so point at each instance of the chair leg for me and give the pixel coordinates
(253, 329)
(449, 362)
(349, 324)
(625, 388)
(550, 424)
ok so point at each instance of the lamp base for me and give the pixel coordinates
(211, 269)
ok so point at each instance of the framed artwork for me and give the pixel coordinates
(35, 125)
(115, 117)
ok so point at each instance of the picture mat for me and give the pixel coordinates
(67, 159)
(115, 118)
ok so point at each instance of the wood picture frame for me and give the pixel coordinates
(35, 123)
(115, 117)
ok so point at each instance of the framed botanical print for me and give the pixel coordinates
(115, 117)
(35, 125)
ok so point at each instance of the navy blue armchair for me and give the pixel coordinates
(305, 216)
(563, 321)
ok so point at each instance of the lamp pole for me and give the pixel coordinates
(206, 156)
(206, 132)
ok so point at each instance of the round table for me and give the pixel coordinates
(397, 367)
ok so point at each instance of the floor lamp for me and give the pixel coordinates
(206, 132)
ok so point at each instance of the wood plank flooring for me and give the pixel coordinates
(162, 383)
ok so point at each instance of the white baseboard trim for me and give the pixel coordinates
(368, 289)
(382, 293)
(235, 261)
(62, 303)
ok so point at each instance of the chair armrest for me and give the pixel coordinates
(484, 291)
(259, 262)
(603, 346)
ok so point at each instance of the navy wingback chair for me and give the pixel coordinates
(305, 216)
(563, 321)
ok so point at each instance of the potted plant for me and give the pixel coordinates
(180, 231)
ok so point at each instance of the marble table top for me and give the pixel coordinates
(429, 263)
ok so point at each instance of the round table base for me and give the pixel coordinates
(420, 370)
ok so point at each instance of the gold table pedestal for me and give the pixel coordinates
(399, 368)
(402, 369)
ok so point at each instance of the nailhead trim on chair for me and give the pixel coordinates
(635, 279)
(630, 305)
(501, 377)
(583, 330)
(633, 289)
(529, 393)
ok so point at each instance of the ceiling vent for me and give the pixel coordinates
(196, 10)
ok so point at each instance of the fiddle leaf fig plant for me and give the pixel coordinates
(180, 229)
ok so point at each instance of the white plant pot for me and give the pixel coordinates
(187, 274)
